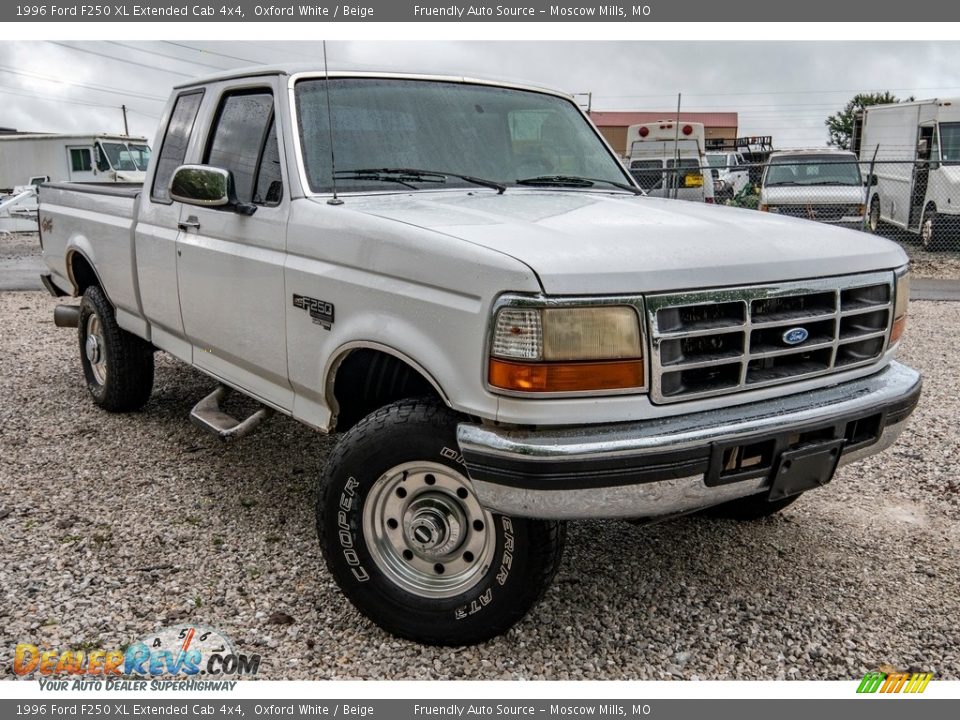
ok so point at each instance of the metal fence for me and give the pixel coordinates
(916, 203)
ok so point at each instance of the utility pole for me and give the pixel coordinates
(126, 128)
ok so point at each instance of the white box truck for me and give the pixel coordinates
(28, 157)
(917, 173)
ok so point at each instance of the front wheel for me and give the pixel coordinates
(873, 219)
(410, 545)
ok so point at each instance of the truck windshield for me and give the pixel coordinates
(492, 133)
(813, 170)
(950, 142)
(140, 155)
(119, 156)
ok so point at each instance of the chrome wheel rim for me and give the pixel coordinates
(426, 531)
(94, 349)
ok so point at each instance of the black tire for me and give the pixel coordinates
(752, 507)
(932, 235)
(119, 369)
(873, 218)
(521, 556)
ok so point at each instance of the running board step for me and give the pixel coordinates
(208, 415)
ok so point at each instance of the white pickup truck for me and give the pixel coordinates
(462, 278)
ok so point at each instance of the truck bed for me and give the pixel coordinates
(95, 221)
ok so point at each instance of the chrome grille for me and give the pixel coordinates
(823, 213)
(715, 342)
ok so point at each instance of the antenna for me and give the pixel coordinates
(333, 163)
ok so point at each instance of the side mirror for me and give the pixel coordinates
(871, 180)
(207, 186)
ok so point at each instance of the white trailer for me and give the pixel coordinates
(917, 173)
(30, 158)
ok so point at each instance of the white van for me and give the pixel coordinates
(820, 184)
(666, 159)
(917, 149)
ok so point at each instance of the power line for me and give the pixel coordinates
(164, 55)
(123, 60)
(19, 91)
(784, 92)
(98, 88)
(212, 52)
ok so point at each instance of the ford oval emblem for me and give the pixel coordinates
(795, 336)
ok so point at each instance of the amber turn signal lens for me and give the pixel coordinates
(899, 325)
(566, 377)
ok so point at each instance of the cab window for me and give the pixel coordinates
(175, 142)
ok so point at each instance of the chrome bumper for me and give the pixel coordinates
(673, 465)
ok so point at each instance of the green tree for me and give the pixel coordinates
(840, 125)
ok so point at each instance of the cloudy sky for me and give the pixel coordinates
(780, 89)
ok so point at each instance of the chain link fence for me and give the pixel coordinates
(915, 203)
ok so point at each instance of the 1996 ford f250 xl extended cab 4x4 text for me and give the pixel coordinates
(462, 278)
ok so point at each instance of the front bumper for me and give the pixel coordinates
(678, 464)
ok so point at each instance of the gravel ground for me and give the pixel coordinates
(14, 246)
(114, 525)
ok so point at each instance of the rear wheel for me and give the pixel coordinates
(410, 545)
(753, 507)
(117, 366)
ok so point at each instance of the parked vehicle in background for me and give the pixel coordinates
(76, 158)
(730, 173)
(822, 184)
(506, 339)
(917, 148)
(666, 159)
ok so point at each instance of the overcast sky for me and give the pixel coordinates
(780, 89)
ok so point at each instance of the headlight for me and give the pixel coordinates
(566, 350)
(901, 299)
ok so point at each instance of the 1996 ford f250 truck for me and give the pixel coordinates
(461, 278)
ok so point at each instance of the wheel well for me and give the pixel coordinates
(82, 273)
(368, 379)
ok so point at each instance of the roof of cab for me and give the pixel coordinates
(289, 69)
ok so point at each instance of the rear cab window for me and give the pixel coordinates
(175, 143)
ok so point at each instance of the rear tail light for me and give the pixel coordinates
(708, 200)
(644, 131)
(687, 129)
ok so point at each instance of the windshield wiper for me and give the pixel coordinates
(407, 175)
(575, 181)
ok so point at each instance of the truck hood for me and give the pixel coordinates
(604, 243)
(813, 195)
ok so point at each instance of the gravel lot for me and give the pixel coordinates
(114, 525)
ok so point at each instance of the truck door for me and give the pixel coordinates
(921, 173)
(156, 232)
(230, 265)
(80, 163)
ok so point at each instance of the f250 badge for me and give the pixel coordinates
(321, 312)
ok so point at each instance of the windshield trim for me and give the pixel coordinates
(296, 78)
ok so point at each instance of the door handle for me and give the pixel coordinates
(191, 223)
